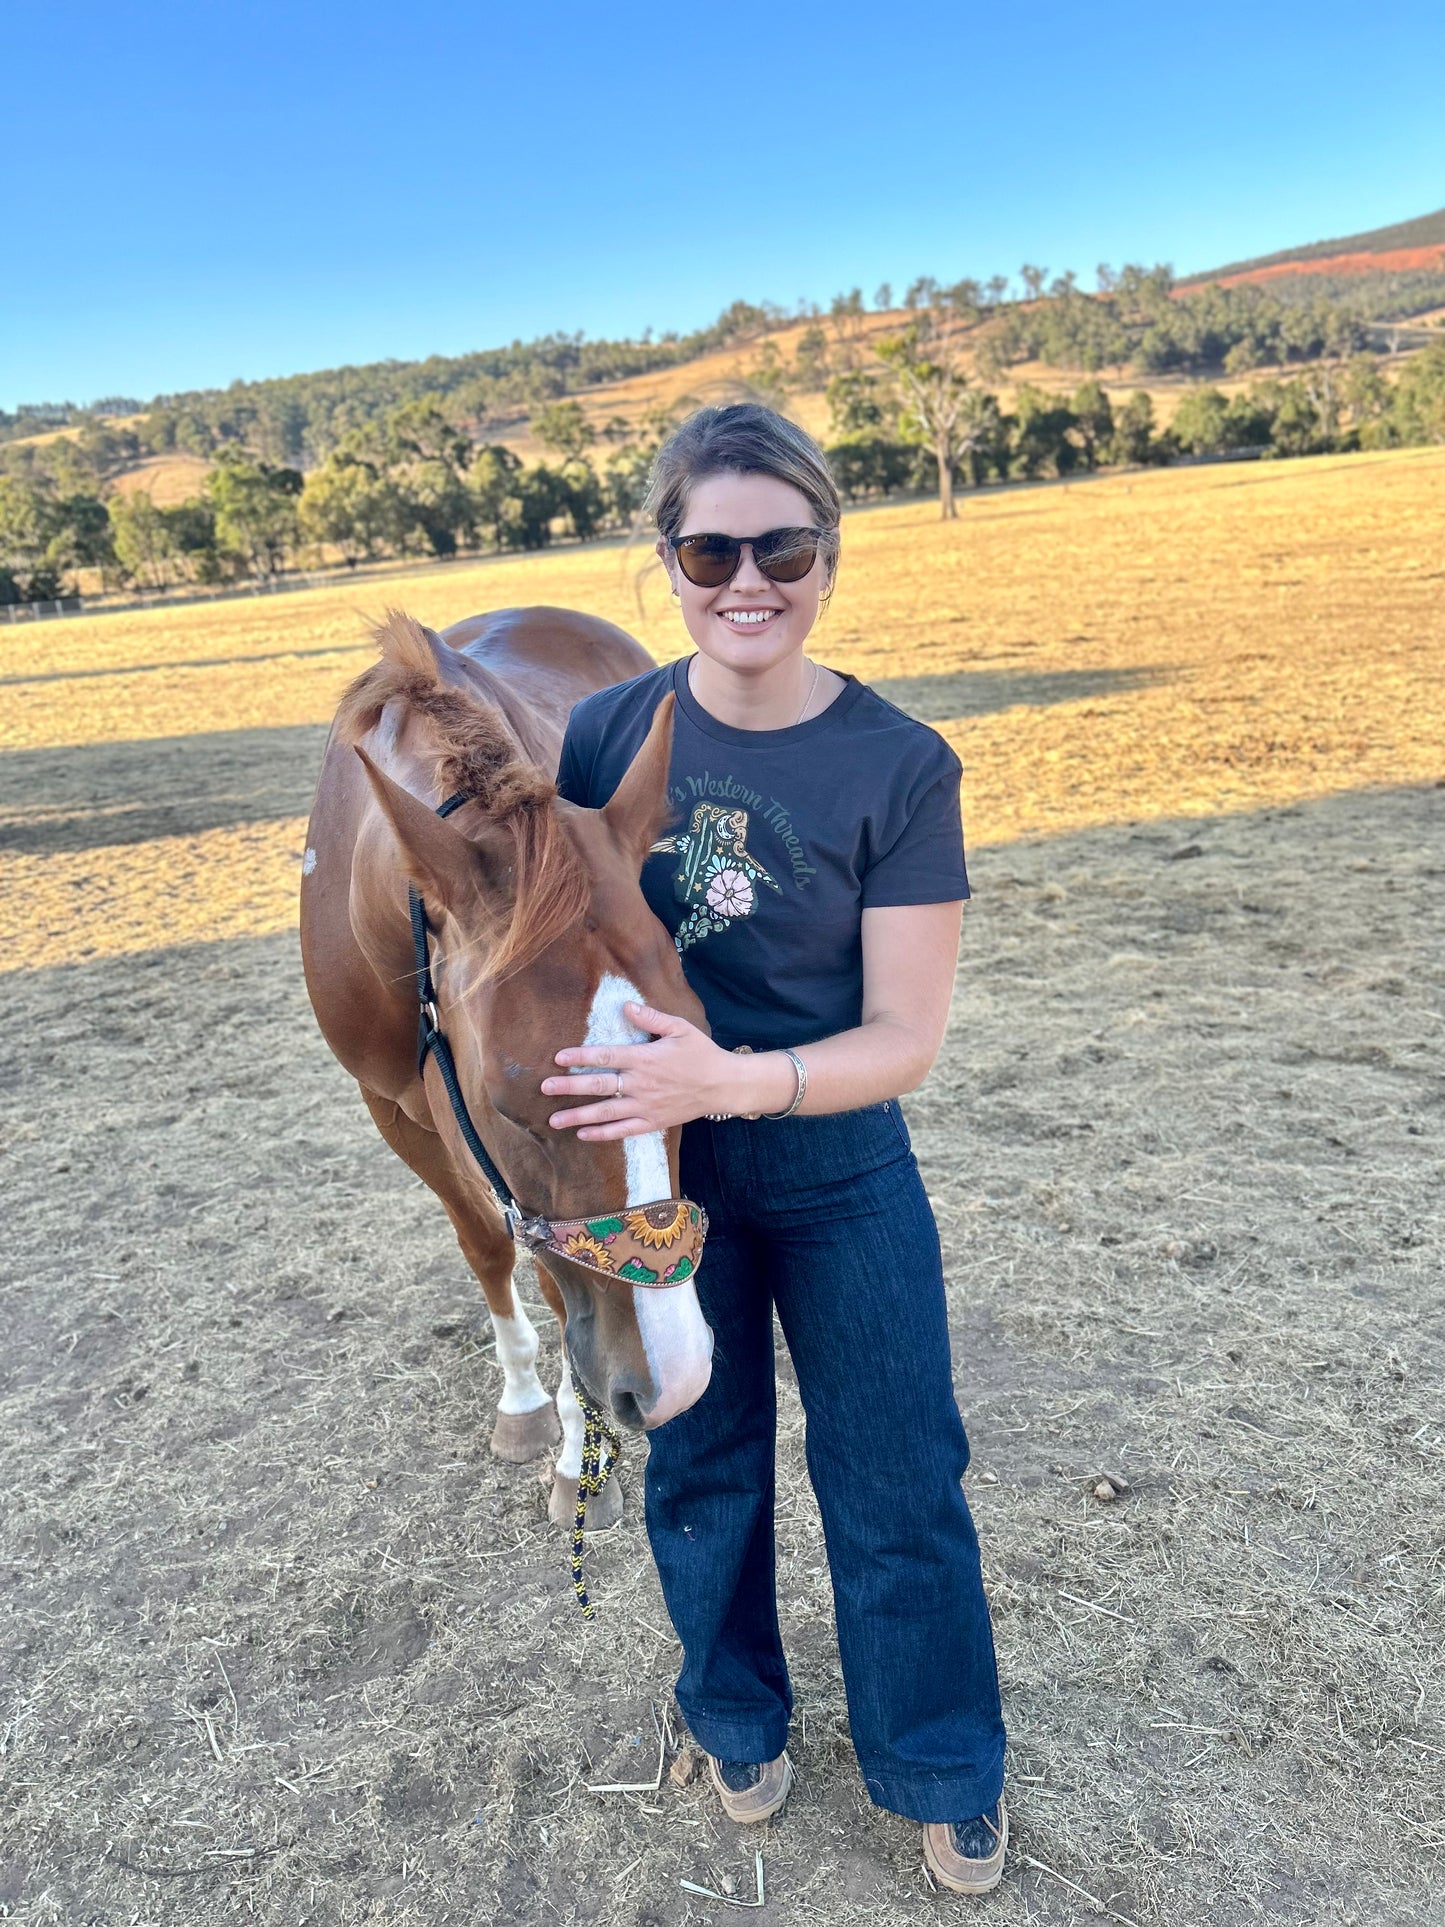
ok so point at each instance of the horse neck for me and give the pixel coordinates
(536, 727)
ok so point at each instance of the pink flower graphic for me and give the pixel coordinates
(730, 894)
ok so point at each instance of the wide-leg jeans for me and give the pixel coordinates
(827, 1218)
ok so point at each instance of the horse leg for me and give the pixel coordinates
(526, 1423)
(606, 1509)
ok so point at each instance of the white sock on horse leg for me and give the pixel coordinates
(569, 1459)
(522, 1390)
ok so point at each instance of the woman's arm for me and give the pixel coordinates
(909, 954)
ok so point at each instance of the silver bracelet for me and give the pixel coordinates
(772, 1117)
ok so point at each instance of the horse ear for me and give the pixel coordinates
(450, 672)
(639, 806)
(443, 863)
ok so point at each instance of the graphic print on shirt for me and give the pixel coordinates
(717, 875)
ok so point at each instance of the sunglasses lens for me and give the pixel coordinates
(786, 555)
(708, 560)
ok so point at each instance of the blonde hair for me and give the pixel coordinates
(744, 439)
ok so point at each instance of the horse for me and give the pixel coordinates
(437, 794)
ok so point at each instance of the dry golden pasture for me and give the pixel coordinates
(1149, 645)
(284, 1644)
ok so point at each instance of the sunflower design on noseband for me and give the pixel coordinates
(658, 1225)
(716, 874)
(626, 1244)
(588, 1250)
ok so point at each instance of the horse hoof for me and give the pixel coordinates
(603, 1510)
(519, 1436)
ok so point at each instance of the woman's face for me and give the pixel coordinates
(750, 624)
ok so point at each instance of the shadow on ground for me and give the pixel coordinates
(181, 663)
(983, 692)
(53, 800)
(82, 798)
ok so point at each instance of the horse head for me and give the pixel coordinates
(542, 935)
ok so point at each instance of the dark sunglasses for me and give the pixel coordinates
(782, 555)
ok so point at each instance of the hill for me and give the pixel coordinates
(1406, 247)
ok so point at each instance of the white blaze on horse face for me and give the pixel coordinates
(517, 1355)
(675, 1335)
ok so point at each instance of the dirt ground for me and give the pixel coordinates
(283, 1643)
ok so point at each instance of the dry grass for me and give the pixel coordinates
(1104, 652)
(167, 479)
(718, 377)
(284, 1644)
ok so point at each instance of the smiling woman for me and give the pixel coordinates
(812, 881)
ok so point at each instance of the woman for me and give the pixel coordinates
(813, 882)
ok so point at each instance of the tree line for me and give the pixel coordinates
(907, 404)
(1138, 317)
(414, 483)
(920, 423)
(903, 420)
(296, 421)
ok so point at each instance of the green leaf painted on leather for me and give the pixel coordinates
(638, 1272)
(604, 1227)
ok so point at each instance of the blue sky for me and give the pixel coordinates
(195, 193)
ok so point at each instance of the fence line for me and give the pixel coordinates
(278, 585)
(66, 605)
(74, 605)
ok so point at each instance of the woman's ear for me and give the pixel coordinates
(668, 561)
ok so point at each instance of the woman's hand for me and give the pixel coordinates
(679, 1076)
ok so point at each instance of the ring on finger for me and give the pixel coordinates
(617, 1087)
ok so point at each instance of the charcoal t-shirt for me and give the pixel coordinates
(781, 838)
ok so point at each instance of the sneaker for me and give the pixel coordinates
(751, 1791)
(966, 1856)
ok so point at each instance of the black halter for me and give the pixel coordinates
(431, 1042)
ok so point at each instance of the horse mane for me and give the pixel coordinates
(477, 753)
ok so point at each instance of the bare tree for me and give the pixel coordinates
(848, 315)
(924, 358)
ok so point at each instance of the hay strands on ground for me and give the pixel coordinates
(729, 1900)
(653, 1785)
(1093, 1899)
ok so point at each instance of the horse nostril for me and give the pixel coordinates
(627, 1410)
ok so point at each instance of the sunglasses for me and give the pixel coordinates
(782, 555)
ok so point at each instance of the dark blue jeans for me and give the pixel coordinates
(827, 1218)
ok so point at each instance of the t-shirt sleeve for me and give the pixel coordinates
(575, 766)
(924, 863)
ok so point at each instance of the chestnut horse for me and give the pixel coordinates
(541, 934)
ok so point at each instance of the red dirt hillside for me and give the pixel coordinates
(1407, 247)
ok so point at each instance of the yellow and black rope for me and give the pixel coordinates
(596, 1432)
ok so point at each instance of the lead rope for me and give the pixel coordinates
(590, 1480)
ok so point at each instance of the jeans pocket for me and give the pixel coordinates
(893, 1110)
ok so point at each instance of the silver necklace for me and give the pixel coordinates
(812, 691)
